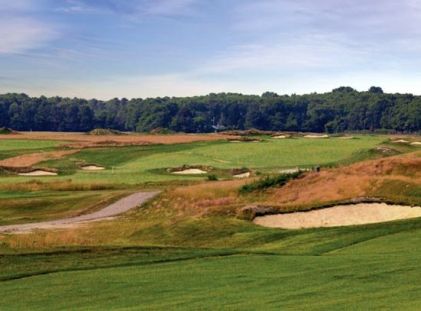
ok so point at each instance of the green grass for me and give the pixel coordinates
(136, 165)
(365, 268)
(11, 148)
(158, 258)
(24, 207)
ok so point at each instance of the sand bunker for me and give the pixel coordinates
(190, 171)
(416, 143)
(316, 136)
(243, 175)
(38, 173)
(92, 168)
(341, 215)
(400, 141)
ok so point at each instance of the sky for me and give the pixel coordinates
(148, 48)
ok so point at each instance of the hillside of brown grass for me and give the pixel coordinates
(363, 179)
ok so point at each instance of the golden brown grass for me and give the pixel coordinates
(344, 183)
(130, 139)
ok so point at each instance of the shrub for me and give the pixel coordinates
(269, 182)
(212, 177)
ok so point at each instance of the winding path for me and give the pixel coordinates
(117, 208)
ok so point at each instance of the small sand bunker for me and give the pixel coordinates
(341, 215)
(416, 143)
(290, 170)
(400, 141)
(92, 168)
(316, 136)
(38, 173)
(243, 175)
(190, 171)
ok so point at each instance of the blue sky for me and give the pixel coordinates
(142, 48)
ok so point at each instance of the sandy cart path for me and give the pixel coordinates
(117, 208)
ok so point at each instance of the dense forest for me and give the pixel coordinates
(343, 109)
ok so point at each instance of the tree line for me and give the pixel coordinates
(343, 109)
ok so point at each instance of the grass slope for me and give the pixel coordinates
(365, 273)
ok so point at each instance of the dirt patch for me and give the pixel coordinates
(341, 215)
(92, 168)
(38, 173)
(28, 160)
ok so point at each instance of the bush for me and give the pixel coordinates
(212, 177)
(269, 182)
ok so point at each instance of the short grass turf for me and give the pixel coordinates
(379, 272)
(135, 165)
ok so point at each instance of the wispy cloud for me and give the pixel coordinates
(132, 7)
(20, 32)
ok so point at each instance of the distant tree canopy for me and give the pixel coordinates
(343, 109)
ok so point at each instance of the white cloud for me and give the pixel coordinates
(19, 30)
(19, 34)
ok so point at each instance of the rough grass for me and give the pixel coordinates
(33, 206)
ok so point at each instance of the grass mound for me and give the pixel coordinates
(6, 131)
(103, 132)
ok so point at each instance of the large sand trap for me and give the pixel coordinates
(416, 143)
(38, 173)
(341, 215)
(190, 171)
(92, 168)
(316, 136)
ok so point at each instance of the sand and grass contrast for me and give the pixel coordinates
(192, 248)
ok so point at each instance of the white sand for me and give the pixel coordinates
(316, 136)
(416, 143)
(400, 141)
(244, 175)
(38, 173)
(280, 137)
(191, 171)
(341, 215)
(92, 168)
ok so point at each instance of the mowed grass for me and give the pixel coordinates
(359, 272)
(135, 165)
(11, 148)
